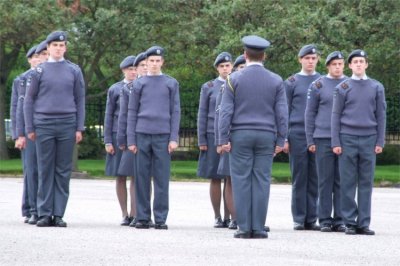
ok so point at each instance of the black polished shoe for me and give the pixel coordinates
(34, 219)
(59, 222)
(26, 219)
(298, 226)
(233, 225)
(365, 231)
(242, 234)
(151, 224)
(267, 229)
(125, 221)
(326, 228)
(142, 225)
(218, 223)
(161, 226)
(259, 234)
(133, 222)
(339, 228)
(350, 230)
(226, 222)
(44, 221)
(312, 226)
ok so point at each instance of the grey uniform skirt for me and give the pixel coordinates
(127, 165)
(223, 166)
(113, 161)
(209, 160)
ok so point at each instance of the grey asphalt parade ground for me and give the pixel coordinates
(94, 236)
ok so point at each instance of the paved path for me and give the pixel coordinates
(93, 236)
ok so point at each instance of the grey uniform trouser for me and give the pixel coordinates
(152, 154)
(328, 183)
(55, 140)
(31, 175)
(357, 167)
(25, 208)
(250, 162)
(304, 180)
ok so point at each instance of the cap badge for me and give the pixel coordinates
(226, 58)
(158, 51)
(362, 53)
(339, 56)
(61, 37)
(313, 50)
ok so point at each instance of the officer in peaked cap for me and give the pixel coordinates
(252, 127)
(318, 133)
(209, 158)
(302, 161)
(120, 162)
(55, 100)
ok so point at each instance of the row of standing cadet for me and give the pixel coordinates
(316, 189)
(47, 112)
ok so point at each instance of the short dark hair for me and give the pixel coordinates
(254, 55)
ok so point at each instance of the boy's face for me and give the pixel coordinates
(57, 49)
(224, 69)
(358, 65)
(154, 64)
(34, 60)
(309, 62)
(130, 73)
(44, 55)
(142, 68)
(336, 67)
(240, 67)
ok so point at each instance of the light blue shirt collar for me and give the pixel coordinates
(330, 77)
(221, 79)
(359, 78)
(302, 73)
(149, 74)
(52, 60)
(254, 63)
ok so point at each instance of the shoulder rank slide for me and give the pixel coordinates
(210, 84)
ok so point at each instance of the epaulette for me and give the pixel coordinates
(210, 84)
(344, 85)
(39, 69)
(69, 62)
(292, 78)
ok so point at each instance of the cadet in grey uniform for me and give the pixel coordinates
(18, 134)
(114, 154)
(54, 111)
(153, 126)
(209, 158)
(318, 132)
(253, 127)
(358, 134)
(302, 161)
(223, 166)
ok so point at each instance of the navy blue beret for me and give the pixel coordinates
(57, 36)
(239, 60)
(222, 58)
(357, 53)
(308, 49)
(255, 42)
(127, 62)
(155, 50)
(139, 58)
(41, 47)
(332, 56)
(31, 52)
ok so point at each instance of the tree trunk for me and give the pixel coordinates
(3, 143)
